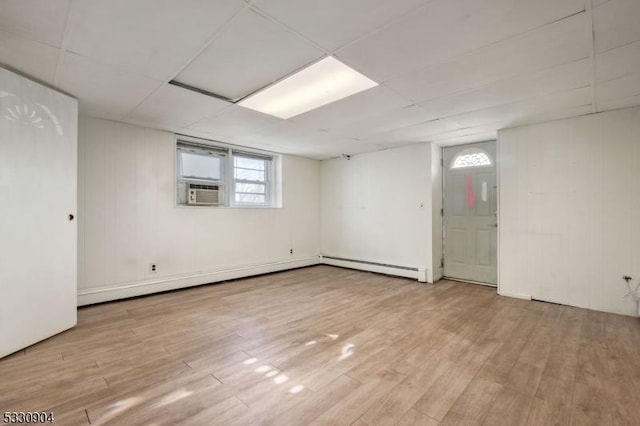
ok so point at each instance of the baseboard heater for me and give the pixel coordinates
(385, 268)
(366, 262)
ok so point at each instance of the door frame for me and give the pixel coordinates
(498, 214)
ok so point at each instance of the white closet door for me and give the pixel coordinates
(38, 187)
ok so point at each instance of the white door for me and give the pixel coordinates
(470, 213)
(38, 168)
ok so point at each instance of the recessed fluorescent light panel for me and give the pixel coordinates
(326, 81)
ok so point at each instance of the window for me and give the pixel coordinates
(251, 174)
(199, 164)
(220, 176)
(472, 157)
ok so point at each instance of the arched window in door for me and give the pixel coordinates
(472, 157)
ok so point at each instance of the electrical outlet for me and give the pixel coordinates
(290, 251)
(153, 268)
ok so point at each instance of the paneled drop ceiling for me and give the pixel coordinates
(450, 71)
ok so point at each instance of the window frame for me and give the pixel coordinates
(268, 178)
(227, 181)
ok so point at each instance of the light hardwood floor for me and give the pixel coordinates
(324, 345)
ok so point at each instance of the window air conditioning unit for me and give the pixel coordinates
(203, 195)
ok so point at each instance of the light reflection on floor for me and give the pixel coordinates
(296, 389)
(279, 378)
(118, 408)
(347, 351)
(173, 397)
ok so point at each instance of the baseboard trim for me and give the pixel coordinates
(417, 273)
(515, 295)
(140, 288)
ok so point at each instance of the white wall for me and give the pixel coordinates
(570, 210)
(377, 207)
(128, 219)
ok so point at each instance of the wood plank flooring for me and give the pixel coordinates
(330, 346)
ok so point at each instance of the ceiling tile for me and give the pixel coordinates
(551, 113)
(102, 90)
(618, 62)
(290, 138)
(623, 88)
(552, 45)
(417, 132)
(31, 58)
(337, 148)
(489, 131)
(236, 123)
(39, 20)
(448, 28)
(606, 104)
(478, 125)
(334, 23)
(483, 129)
(149, 37)
(557, 79)
(519, 112)
(252, 52)
(468, 138)
(172, 108)
(615, 23)
(314, 143)
(386, 122)
(287, 133)
(371, 102)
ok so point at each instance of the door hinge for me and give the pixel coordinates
(442, 162)
(442, 212)
(442, 262)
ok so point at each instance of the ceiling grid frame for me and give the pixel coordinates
(470, 102)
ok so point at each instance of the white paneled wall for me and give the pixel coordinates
(570, 210)
(377, 207)
(128, 219)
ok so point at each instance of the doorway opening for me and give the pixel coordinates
(470, 221)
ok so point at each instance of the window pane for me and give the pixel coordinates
(250, 163)
(250, 179)
(473, 157)
(254, 188)
(196, 166)
(250, 198)
(250, 174)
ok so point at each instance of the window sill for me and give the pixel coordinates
(181, 206)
